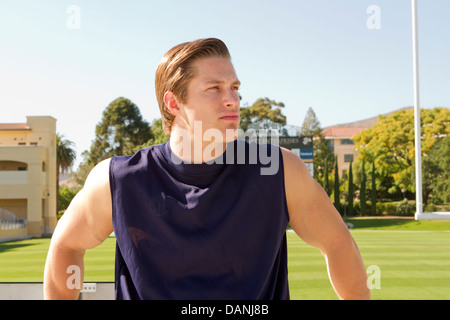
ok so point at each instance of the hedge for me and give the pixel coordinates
(399, 208)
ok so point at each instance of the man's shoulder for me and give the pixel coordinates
(99, 175)
(143, 161)
(139, 155)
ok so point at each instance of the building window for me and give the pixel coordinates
(22, 143)
(347, 141)
(348, 158)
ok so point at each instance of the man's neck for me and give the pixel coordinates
(194, 149)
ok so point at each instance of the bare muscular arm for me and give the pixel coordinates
(86, 223)
(314, 218)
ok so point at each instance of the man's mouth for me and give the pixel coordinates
(230, 117)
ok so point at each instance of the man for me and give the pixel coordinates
(198, 217)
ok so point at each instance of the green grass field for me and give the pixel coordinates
(413, 258)
(413, 265)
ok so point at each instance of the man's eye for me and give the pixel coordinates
(235, 88)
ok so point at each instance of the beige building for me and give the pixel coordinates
(341, 143)
(28, 177)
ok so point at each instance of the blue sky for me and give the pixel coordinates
(318, 54)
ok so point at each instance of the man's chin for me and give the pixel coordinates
(231, 134)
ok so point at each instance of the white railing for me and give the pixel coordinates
(35, 291)
(8, 220)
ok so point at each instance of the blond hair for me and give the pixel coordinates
(175, 71)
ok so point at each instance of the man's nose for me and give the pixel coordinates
(231, 98)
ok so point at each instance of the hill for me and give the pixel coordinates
(365, 123)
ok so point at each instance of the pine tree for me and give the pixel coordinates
(350, 190)
(121, 128)
(326, 185)
(311, 124)
(322, 152)
(362, 194)
(337, 203)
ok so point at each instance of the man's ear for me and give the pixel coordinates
(171, 102)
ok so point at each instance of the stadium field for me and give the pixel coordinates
(402, 264)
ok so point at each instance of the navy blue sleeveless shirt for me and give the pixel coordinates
(199, 231)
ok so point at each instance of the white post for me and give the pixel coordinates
(417, 134)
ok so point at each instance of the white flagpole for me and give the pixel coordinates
(417, 134)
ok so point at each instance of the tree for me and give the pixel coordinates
(311, 124)
(65, 157)
(262, 111)
(436, 173)
(65, 196)
(158, 135)
(323, 156)
(337, 202)
(121, 129)
(430, 170)
(326, 184)
(350, 190)
(390, 143)
(362, 194)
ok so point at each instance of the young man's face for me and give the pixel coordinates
(212, 97)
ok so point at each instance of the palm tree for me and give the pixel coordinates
(65, 157)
